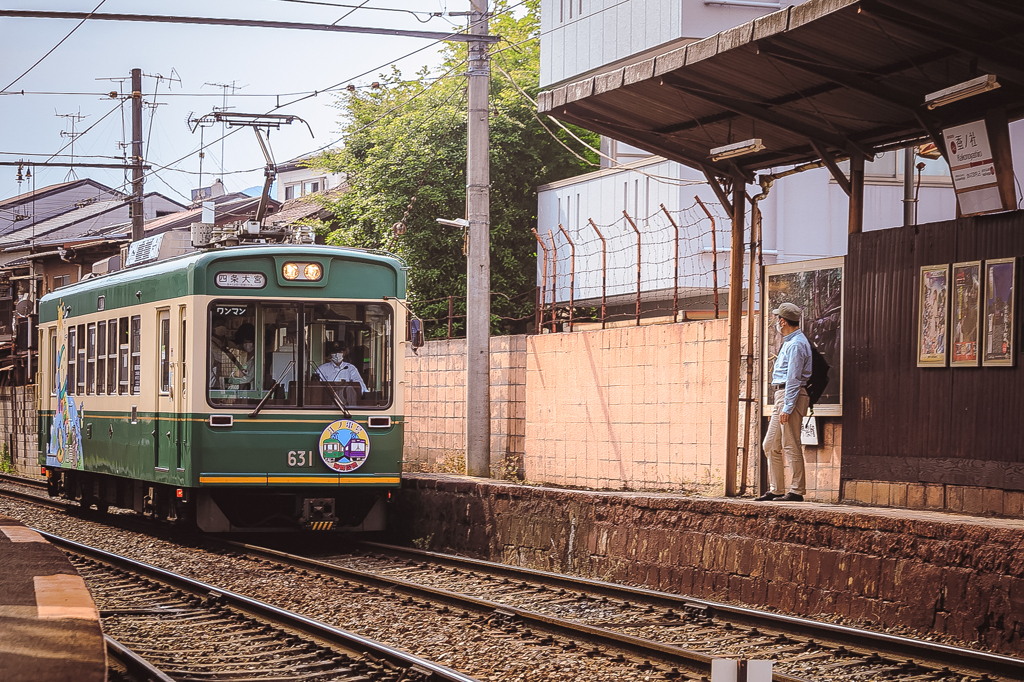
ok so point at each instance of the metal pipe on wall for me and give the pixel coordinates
(675, 286)
(637, 230)
(714, 253)
(604, 272)
(572, 273)
(554, 280)
(543, 282)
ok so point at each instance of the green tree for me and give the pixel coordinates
(405, 160)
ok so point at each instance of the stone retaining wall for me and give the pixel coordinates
(18, 436)
(928, 571)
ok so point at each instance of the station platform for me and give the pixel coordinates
(49, 625)
(929, 572)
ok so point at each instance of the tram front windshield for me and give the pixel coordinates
(315, 355)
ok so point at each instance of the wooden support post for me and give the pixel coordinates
(735, 333)
(856, 194)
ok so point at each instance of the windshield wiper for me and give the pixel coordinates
(269, 393)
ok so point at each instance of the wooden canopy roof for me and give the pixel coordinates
(822, 80)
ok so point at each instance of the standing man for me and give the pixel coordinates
(789, 377)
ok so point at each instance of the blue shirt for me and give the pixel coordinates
(792, 367)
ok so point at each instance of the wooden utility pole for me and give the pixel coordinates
(739, 196)
(478, 261)
(135, 208)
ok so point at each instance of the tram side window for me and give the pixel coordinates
(90, 347)
(165, 360)
(81, 360)
(72, 355)
(136, 354)
(122, 355)
(53, 362)
(101, 358)
(112, 357)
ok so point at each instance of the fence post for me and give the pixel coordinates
(675, 288)
(450, 310)
(637, 230)
(554, 280)
(543, 282)
(714, 252)
(572, 273)
(604, 272)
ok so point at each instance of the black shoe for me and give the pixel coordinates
(791, 497)
(768, 497)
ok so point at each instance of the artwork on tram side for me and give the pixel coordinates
(816, 287)
(65, 446)
(997, 340)
(965, 321)
(933, 316)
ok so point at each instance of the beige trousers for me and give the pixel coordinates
(786, 438)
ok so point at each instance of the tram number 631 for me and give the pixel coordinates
(300, 458)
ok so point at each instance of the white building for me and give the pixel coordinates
(295, 179)
(805, 215)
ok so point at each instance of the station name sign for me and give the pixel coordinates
(241, 280)
(981, 166)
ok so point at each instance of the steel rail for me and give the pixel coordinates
(263, 610)
(894, 645)
(21, 480)
(45, 501)
(139, 668)
(648, 649)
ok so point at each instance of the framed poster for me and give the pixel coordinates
(816, 287)
(965, 321)
(932, 316)
(997, 344)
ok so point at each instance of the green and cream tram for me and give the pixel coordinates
(247, 388)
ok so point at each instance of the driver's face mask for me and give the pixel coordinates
(337, 358)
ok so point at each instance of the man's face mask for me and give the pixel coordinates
(248, 346)
(337, 358)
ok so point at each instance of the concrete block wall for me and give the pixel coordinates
(936, 496)
(435, 382)
(642, 408)
(18, 435)
(822, 462)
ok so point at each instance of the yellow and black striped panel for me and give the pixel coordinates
(321, 525)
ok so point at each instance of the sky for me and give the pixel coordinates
(268, 66)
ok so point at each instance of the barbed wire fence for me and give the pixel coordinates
(659, 266)
(667, 266)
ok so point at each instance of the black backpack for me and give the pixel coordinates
(819, 375)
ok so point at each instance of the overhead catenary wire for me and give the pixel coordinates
(52, 49)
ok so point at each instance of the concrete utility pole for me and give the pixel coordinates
(478, 262)
(138, 179)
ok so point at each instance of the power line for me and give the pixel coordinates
(61, 42)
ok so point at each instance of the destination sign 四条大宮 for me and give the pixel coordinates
(241, 280)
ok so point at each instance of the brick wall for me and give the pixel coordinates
(822, 462)
(926, 571)
(634, 407)
(18, 437)
(435, 382)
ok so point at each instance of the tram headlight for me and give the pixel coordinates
(313, 272)
(290, 271)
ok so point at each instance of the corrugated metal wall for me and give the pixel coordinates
(959, 426)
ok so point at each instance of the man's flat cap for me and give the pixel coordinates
(788, 311)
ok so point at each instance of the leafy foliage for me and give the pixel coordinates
(405, 152)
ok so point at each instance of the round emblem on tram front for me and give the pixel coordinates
(344, 446)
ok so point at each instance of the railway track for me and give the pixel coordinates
(681, 634)
(195, 632)
(668, 636)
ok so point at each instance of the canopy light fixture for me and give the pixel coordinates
(955, 93)
(737, 149)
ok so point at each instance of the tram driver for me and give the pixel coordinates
(337, 368)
